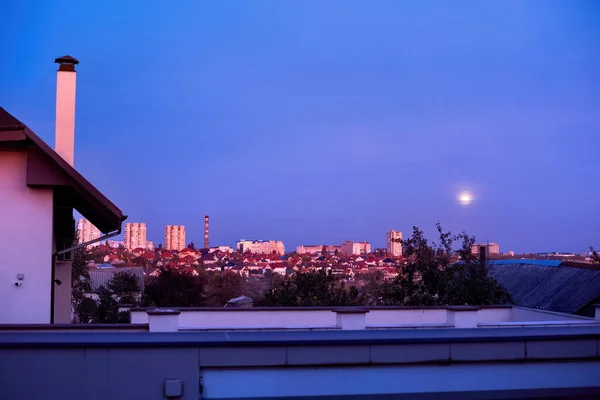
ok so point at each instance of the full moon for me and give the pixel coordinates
(465, 198)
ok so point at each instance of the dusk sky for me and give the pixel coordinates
(321, 121)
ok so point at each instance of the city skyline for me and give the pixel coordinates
(341, 131)
(392, 247)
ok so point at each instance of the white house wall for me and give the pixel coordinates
(25, 244)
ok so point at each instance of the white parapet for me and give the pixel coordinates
(463, 316)
(353, 319)
(161, 320)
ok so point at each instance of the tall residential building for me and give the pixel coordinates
(350, 248)
(87, 232)
(394, 246)
(489, 248)
(175, 237)
(261, 247)
(135, 235)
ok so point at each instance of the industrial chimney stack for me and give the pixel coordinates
(65, 108)
(206, 231)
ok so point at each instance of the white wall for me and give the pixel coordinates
(62, 293)
(528, 314)
(406, 317)
(25, 244)
(257, 319)
(494, 315)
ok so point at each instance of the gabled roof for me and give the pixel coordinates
(548, 286)
(45, 168)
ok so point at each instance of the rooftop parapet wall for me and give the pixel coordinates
(325, 318)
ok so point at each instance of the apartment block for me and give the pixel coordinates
(222, 249)
(86, 232)
(175, 237)
(394, 246)
(318, 248)
(135, 235)
(261, 247)
(489, 248)
(350, 248)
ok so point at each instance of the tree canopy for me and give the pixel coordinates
(436, 274)
(175, 288)
(309, 289)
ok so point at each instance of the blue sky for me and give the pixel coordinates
(322, 121)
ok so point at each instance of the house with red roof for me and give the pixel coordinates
(208, 259)
(188, 260)
(40, 189)
(103, 248)
(240, 269)
(278, 268)
(167, 254)
(189, 252)
(211, 268)
(138, 251)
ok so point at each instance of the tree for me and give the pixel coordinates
(430, 275)
(174, 288)
(107, 311)
(223, 287)
(191, 246)
(595, 257)
(324, 251)
(125, 287)
(315, 288)
(83, 306)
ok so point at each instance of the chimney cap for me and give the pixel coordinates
(66, 60)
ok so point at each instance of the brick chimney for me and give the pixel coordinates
(65, 108)
(206, 231)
